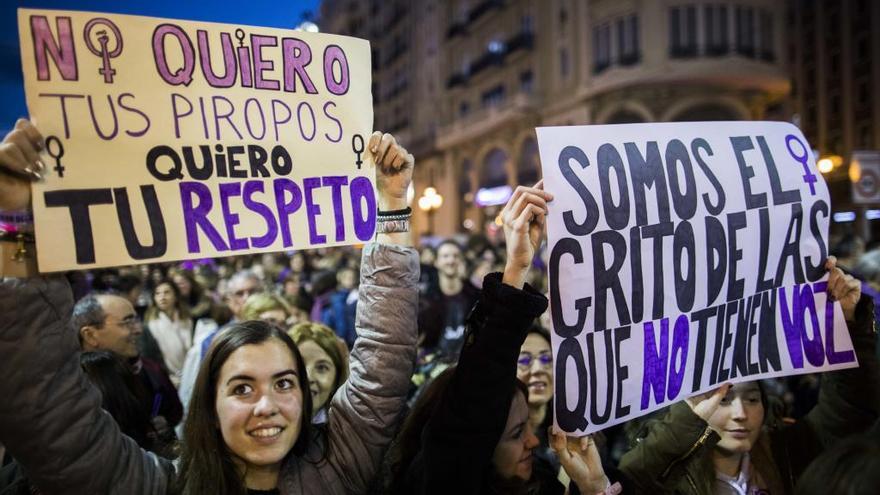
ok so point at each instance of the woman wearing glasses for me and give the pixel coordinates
(534, 368)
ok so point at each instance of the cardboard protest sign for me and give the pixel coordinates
(683, 256)
(171, 140)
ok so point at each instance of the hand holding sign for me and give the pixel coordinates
(523, 218)
(394, 167)
(844, 288)
(19, 164)
(705, 405)
(580, 459)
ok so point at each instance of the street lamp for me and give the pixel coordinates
(429, 202)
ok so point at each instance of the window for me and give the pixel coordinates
(717, 39)
(683, 31)
(601, 47)
(563, 63)
(766, 25)
(493, 97)
(463, 109)
(745, 31)
(628, 40)
(526, 82)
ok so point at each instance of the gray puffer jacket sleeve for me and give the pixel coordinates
(51, 419)
(365, 410)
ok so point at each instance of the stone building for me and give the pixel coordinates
(483, 74)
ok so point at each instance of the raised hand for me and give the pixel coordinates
(844, 288)
(394, 169)
(705, 405)
(523, 217)
(580, 459)
(19, 165)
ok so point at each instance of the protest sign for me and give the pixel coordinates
(683, 256)
(170, 140)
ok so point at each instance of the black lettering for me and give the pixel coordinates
(617, 216)
(658, 232)
(780, 197)
(713, 209)
(620, 334)
(685, 284)
(735, 286)
(685, 203)
(572, 247)
(716, 258)
(792, 247)
(608, 277)
(764, 283)
(591, 217)
(740, 145)
(133, 245)
(78, 202)
(647, 173)
(816, 271)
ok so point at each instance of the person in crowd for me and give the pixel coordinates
(469, 432)
(534, 368)
(429, 283)
(725, 442)
(248, 402)
(326, 359)
(267, 307)
(192, 293)
(339, 313)
(121, 396)
(442, 320)
(241, 285)
(851, 467)
(168, 323)
(105, 322)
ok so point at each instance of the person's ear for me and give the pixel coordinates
(88, 336)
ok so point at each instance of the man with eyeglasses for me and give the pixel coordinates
(106, 322)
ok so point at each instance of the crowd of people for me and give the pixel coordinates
(381, 368)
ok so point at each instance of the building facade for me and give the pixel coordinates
(833, 52)
(500, 68)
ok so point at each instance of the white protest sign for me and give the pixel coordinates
(171, 140)
(683, 256)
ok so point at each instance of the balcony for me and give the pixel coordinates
(480, 122)
(524, 40)
(461, 27)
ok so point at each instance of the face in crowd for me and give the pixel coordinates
(534, 368)
(183, 284)
(513, 454)
(120, 330)
(238, 290)
(165, 297)
(449, 260)
(322, 372)
(260, 405)
(738, 418)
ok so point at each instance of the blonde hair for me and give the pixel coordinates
(261, 302)
(326, 339)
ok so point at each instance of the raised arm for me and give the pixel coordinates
(365, 410)
(462, 434)
(51, 419)
(849, 400)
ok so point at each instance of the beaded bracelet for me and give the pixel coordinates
(395, 213)
(17, 217)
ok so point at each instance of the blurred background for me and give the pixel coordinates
(463, 83)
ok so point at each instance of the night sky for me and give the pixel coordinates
(270, 13)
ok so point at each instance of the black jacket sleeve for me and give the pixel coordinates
(460, 438)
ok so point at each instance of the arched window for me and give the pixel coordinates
(706, 112)
(625, 117)
(527, 169)
(494, 173)
(464, 182)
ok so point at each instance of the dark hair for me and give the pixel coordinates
(122, 394)
(450, 242)
(87, 312)
(850, 467)
(538, 329)
(179, 304)
(206, 465)
(409, 441)
(195, 290)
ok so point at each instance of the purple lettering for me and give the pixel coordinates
(195, 217)
(300, 119)
(256, 186)
(297, 55)
(228, 77)
(334, 119)
(656, 360)
(62, 97)
(261, 64)
(679, 354)
(261, 120)
(333, 56)
(361, 191)
(313, 210)
(275, 121)
(134, 110)
(112, 134)
(183, 75)
(177, 115)
(62, 52)
(223, 116)
(336, 182)
(231, 189)
(286, 207)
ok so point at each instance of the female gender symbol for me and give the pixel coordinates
(357, 145)
(106, 70)
(56, 154)
(803, 159)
